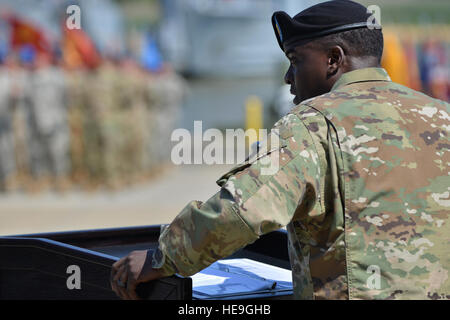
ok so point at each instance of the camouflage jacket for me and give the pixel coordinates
(362, 186)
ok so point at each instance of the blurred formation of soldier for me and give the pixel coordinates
(100, 127)
(68, 113)
(362, 183)
(123, 113)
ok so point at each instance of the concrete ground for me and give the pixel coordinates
(155, 202)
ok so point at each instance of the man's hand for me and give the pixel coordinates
(131, 270)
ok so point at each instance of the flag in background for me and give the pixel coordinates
(25, 34)
(78, 49)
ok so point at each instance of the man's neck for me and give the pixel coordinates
(355, 63)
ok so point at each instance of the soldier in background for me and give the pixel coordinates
(163, 93)
(84, 121)
(114, 106)
(134, 121)
(76, 100)
(7, 161)
(362, 183)
(20, 103)
(50, 148)
(94, 109)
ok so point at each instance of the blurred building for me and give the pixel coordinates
(223, 37)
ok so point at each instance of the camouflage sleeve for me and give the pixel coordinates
(257, 197)
(201, 234)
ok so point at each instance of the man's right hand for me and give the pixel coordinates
(131, 270)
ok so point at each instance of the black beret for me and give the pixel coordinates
(319, 20)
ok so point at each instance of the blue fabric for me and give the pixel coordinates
(150, 55)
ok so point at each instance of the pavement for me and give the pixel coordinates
(155, 202)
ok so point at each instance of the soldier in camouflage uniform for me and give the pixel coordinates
(164, 93)
(49, 121)
(106, 109)
(362, 182)
(20, 106)
(133, 122)
(7, 161)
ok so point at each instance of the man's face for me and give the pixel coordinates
(307, 73)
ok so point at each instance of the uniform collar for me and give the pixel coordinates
(361, 75)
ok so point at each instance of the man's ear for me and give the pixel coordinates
(335, 60)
